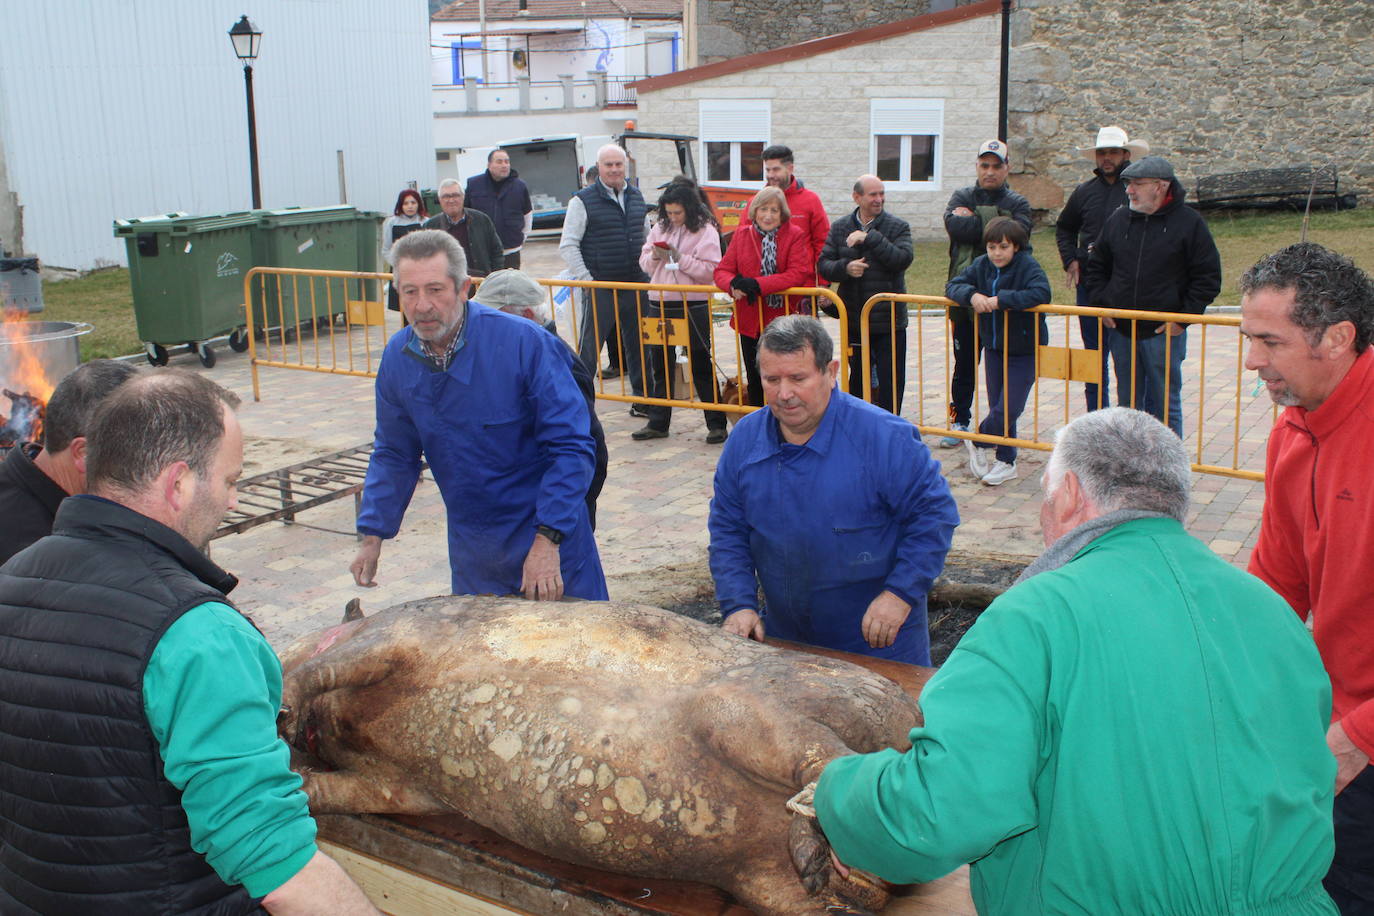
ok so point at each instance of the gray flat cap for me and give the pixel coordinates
(502, 288)
(1149, 167)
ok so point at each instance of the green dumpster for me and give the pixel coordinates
(431, 199)
(309, 238)
(186, 273)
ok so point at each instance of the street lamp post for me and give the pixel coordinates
(246, 38)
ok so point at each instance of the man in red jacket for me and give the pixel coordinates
(1309, 316)
(807, 210)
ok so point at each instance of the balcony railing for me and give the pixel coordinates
(524, 95)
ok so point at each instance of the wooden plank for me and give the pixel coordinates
(400, 892)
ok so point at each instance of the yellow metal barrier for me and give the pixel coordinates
(1057, 359)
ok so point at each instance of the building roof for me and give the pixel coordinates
(467, 10)
(818, 45)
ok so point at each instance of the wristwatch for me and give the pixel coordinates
(553, 534)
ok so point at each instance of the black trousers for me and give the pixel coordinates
(749, 352)
(608, 305)
(965, 365)
(513, 260)
(889, 350)
(698, 351)
(1350, 882)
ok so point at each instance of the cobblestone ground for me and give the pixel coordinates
(652, 514)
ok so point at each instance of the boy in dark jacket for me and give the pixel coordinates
(999, 286)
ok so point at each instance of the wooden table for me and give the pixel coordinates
(421, 866)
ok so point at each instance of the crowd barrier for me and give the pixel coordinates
(1224, 429)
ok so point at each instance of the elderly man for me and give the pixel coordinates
(1309, 316)
(834, 505)
(1154, 255)
(868, 252)
(500, 194)
(143, 772)
(1080, 223)
(1135, 727)
(603, 233)
(517, 293)
(472, 228)
(779, 171)
(966, 216)
(488, 400)
(33, 480)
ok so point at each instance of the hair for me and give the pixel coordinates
(1124, 459)
(770, 195)
(424, 244)
(1006, 229)
(401, 198)
(589, 175)
(152, 422)
(612, 147)
(684, 192)
(784, 153)
(1327, 289)
(74, 403)
(492, 155)
(793, 334)
(450, 183)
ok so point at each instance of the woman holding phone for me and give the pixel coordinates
(683, 247)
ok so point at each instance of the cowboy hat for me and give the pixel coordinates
(1113, 137)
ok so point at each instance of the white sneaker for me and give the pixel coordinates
(977, 459)
(953, 441)
(1000, 473)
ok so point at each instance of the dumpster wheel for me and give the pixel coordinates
(238, 340)
(205, 352)
(157, 354)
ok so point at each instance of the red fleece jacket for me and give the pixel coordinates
(1316, 543)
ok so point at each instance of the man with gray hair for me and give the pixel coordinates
(517, 293)
(470, 227)
(833, 504)
(34, 480)
(1309, 316)
(488, 400)
(1136, 726)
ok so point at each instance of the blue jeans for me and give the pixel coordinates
(1006, 397)
(1088, 327)
(1146, 361)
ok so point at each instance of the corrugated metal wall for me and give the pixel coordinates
(115, 110)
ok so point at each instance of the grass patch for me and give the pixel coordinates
(104, 299)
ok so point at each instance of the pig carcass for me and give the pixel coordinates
(615, 736)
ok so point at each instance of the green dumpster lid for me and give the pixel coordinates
(299, 216)
(183, 223)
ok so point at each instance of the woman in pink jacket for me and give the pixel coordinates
(683, 247)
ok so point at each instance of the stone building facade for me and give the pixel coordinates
(729, 29)
(822, 101)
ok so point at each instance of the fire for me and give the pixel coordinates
(25, 382)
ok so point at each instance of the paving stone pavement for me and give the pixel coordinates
(652, 514)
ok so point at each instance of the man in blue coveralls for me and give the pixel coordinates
(834, 504)
(489, 400)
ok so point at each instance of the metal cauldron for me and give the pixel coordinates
(55, 345)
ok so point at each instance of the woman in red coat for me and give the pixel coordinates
(766, 256)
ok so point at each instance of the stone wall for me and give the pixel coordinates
(820, 109)
(1215, 86)
(726, 28)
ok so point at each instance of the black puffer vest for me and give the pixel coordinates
(614, 237)
(88, 822)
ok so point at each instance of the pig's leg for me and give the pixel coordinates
(385, 792)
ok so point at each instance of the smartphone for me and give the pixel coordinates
(661, 245)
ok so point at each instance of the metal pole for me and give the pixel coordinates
(482, 34)
(252, 137)
(1002, 93)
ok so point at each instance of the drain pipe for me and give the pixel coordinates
(1002, 85)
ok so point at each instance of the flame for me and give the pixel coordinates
(23, 374)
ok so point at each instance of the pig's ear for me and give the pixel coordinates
(353, 610)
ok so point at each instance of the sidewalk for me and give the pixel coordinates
(652, 513)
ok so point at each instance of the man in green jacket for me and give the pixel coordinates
(1135, 727)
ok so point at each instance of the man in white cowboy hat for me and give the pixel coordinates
(1079, 224)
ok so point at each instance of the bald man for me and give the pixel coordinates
(868, 252)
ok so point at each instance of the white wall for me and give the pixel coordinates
(605, 44)
(115, 110)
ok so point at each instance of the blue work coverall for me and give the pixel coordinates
(828, 525)
(507, 435)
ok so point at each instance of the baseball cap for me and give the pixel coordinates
(997, 148)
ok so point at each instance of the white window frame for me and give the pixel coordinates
(907, 118)
(733, 121)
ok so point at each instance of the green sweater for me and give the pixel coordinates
(1141, 731)
(211, 692)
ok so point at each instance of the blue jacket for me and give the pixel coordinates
(1022, 284)
(828, 525)
(506, 202)
(506, 433)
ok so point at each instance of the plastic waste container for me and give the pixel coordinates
(186, 273)
(21, 288)
(307, 238)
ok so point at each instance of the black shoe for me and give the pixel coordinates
(716, 436)
(649, 432)
(611, 372)
(637, 411)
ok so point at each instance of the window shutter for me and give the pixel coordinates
(735, 119)
(907, 116)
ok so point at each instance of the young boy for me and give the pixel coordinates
(998, 286)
